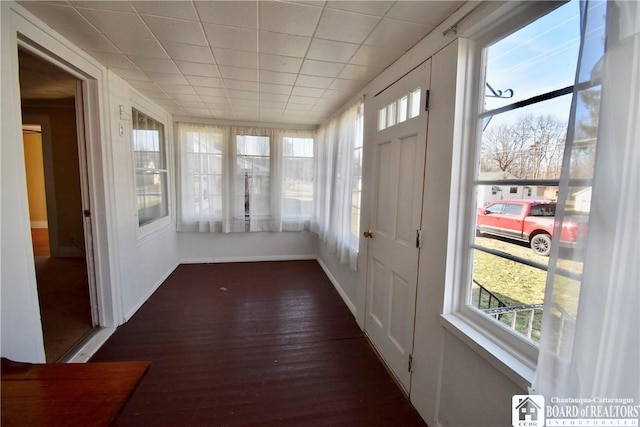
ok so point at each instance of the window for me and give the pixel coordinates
(297, 179)
(252, 179)
(527, 89)
(356, 190)
(400, 110)
(245, 179)
(150, 168)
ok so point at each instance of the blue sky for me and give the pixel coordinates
(542, 57)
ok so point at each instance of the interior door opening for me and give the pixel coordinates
(57, 192)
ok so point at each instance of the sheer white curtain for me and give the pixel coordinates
(236, 179)
(333, 219)
(597, 354)
(203, 176)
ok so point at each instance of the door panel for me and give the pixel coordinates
(395, 207)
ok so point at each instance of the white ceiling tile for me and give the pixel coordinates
(359, 72)
(396, 34)
(198, 112)
(159, 65)
(196, 103)
(197, 69)
(235, 58)
(210, 91)
(59, 16)
(174, 79)
(272, 104)
(117, 6)
(275, 89)
(347, 86)
(175, 30)
(289, 18)
(319, 3)
(242, 14)
(283, 44)
(215, 100)
(113, 60)
(173, 89)
(426, 13)
(345, 26)
(277, 78)
(242, 94)
(170, 9)
(118, 23)
(244, 102)
(205, 81)
(314, 81)
(376, 7)
(307, 91)
(327, 50)
(231, 38)
(280, 97)
(320, 68)
(139, 47)
(333, 94)
(128, 74)
(249, 74)
(188, 52)
(241, 85)
(285, 64)
(375, 56)
(305, 100)
(90, 41)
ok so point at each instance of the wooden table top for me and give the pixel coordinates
(66, 394)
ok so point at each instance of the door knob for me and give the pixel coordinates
(368, 234)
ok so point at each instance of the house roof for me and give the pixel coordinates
(492, 176)
(527, 401)
(260, 61)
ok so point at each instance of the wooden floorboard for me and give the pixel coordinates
(254, 344)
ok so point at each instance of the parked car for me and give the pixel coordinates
(528, 221)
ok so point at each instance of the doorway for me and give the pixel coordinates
(398, 146)
(52, 137)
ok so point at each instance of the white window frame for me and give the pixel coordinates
(505, 349)
(151, 229)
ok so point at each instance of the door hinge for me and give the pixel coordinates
(418, 239)
(426, 100)
(410, 367)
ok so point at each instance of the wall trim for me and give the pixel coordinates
(39, 224)
(218, 260)
(146, 297)
(336, 285)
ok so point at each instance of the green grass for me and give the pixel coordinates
(518, 284)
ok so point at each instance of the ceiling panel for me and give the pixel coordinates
(275, 61)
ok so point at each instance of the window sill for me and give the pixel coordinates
(515, 369)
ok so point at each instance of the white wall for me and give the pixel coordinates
(238, 247)
(344, 279)
(146, 257)
(128, 268)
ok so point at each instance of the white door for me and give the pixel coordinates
(398, 144)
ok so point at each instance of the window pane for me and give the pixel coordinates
(392, 114)
(151, 190)
(382, 118)
(402, 109)
(540, 57)
(150, 167)
(298, 172)
(414, 108)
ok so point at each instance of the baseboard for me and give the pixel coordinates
(39, 224)
(217, 260)
(336, 285)
(148, 294)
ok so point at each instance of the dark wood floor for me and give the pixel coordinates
(254, 344)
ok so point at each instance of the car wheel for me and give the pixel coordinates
(541, 244)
